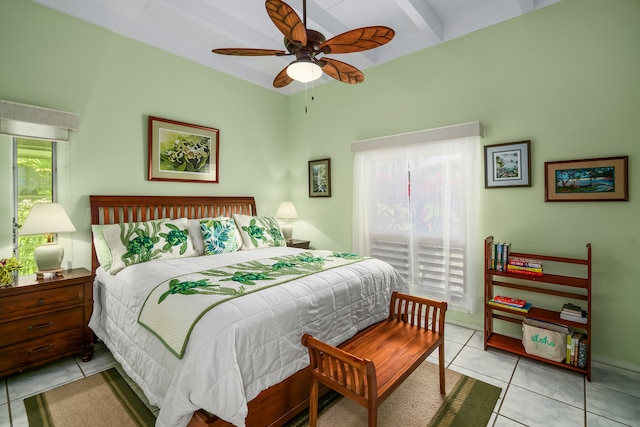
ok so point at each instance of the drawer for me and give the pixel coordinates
(41, 348)
(38, 326)
(34, 302)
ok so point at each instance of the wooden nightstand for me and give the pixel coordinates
(295, 243)
(46, 319)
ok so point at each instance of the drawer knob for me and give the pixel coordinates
(44, 325)
(41, 301)
(39, 349)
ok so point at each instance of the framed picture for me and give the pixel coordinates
(507, 165)
(587, 180)
(182, 151)
(320, 178)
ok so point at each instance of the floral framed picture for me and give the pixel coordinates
(601, 179)
(507, 165)
(320, 178)
(182, 152)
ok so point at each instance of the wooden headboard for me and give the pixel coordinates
(122, 209)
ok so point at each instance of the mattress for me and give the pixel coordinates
(242, 346)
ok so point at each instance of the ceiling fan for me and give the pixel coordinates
(310, 46)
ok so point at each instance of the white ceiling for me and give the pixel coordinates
(192, 28)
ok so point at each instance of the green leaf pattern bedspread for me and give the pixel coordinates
(174, 306)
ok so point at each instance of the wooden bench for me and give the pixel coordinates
(370, 366)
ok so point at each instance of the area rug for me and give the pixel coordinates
(416, 403)
(102, 399)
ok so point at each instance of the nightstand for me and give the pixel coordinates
(295, 243)
(45, 319)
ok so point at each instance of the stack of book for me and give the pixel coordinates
(500, 255)
(576, 349)
(573, 313)
(510, 303)
(526, 266)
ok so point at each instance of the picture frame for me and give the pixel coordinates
(182, 151)
(587, 180)
(320, 178)
(507, 165)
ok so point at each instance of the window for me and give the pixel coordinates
(34, 180)
(416, 207)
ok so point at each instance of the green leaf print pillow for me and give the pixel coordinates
(259, 231)
(220, 235)
(137, 242)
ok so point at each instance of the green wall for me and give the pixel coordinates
(564, 77)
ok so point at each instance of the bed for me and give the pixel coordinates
(242, 362)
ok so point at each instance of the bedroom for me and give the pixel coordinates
(572, 89)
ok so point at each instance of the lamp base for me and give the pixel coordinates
(287, 231)
(49, 256)
(56, 272)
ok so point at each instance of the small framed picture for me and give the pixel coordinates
(507, 165)
(320, 178)
(601, 179)
(182, 151)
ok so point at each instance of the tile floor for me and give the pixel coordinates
(533, 393)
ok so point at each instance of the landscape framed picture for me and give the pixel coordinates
(588, 180)
(182, 151)
(320, 178)
(507, 165)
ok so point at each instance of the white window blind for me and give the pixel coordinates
(30, 121)
(415, 206)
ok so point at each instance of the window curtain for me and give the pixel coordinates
(416, 206)
(29, 121)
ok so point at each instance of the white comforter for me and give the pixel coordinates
(243, 346)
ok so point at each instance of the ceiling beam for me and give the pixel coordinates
(526, 6)
(423, 16)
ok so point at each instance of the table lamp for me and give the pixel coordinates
(287, 212)
(47, 219)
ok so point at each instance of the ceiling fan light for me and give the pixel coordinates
(304, 71)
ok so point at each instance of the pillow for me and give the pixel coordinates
(220, 235)
(259, 231)
(196, 236)
(138, 242)
(102, 249)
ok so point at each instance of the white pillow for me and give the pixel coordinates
(133, 243)
(102, 249)
(259, 231)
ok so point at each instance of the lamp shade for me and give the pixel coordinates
(303, 70)
(46, 218)
(287, 211)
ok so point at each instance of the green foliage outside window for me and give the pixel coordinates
(35, 185)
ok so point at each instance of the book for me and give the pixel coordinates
(568, 354)
(570, 308)
(509, 301)
(512, 267)
(524, 272)
(574, 348)
(524, 309)
(499, 251)
(582, 352)
(574, 318)
(525, 262)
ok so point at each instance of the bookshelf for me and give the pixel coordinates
(561, 288)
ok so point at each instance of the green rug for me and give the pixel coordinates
(416, 403)
(103, 399)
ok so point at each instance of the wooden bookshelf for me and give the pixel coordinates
(563, 288)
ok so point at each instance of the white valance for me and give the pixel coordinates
(444, 133)
(36, 122)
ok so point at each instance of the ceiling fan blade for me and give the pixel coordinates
(249, 52)
(358, 40)
(341, 71)
(282, 79)
(287, 21)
